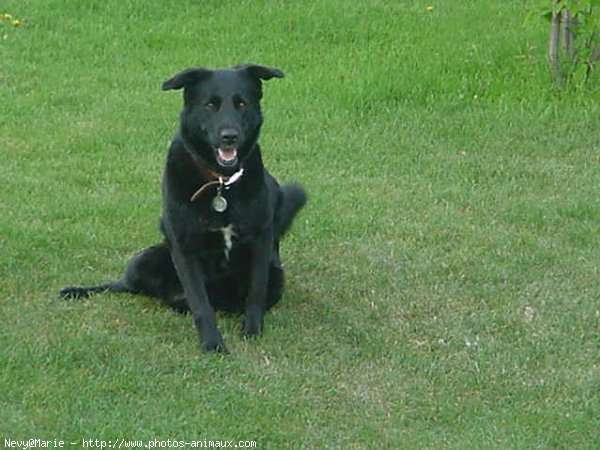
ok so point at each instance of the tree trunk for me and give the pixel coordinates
(553, 45)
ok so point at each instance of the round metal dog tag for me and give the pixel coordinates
(219, 203)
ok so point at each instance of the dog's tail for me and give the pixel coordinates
(294, 198)
(75, 292)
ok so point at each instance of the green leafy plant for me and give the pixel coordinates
(573, 47)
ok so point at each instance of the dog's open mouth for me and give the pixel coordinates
(227, 156)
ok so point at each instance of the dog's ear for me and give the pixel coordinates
(261, 72)
(185, 78)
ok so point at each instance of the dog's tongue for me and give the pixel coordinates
(227, 154)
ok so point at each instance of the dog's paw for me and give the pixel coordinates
(214, 347)
(73, 292)
(252, 327)
(213, 342)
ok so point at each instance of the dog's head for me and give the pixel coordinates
(221, 116)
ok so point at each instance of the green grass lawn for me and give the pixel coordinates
(443, 281)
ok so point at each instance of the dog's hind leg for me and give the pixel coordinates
(150, 272)
(74, 292)
(276, 282)
(293, 197)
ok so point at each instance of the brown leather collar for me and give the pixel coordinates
(220, 180)
(209, 173)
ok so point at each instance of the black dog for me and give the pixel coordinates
(223, 213)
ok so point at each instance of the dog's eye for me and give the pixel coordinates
(211, 106)
(240, 104)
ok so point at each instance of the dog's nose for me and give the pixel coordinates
(229, 136)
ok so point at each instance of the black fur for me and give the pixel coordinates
(195, 269)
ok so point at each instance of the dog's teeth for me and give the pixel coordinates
(227, 154)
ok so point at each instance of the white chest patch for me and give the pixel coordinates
(228, 235)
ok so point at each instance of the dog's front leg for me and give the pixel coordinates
(262, 249)
(190, 272)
